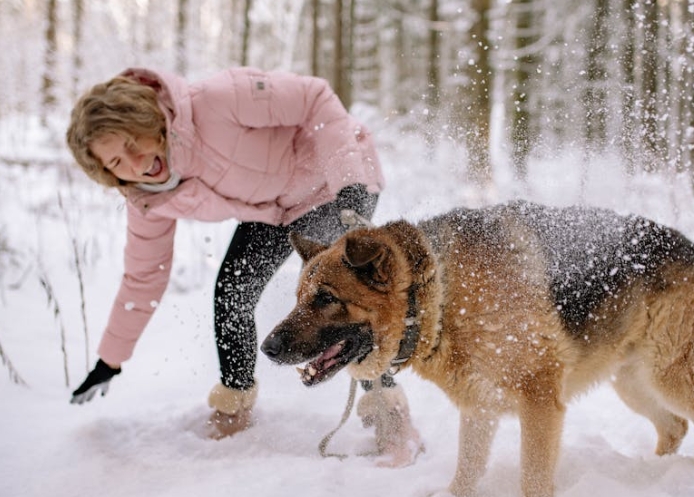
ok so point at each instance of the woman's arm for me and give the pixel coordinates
(147, 267)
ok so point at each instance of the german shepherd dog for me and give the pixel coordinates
(514, 308)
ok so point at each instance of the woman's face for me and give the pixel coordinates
(136, 160)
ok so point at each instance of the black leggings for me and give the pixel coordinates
(255, 253)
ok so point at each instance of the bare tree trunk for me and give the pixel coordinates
(682, 52)
(151, 41)
(687, 89)
(48, 84)
(337, 67)
(340, 81)
(77, 17)
(594, 97)
(233, 25)
(365, 65)
(349, 51)
(628, 140)
(181, 37)
(522, 138)
(679, 89)
(315, 41)
(473, 104)
(403, 69)
(649, 87)
(668, 92)
(246, 32)
(433, 95)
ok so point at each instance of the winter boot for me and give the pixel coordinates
(397, 442)
(232, 411)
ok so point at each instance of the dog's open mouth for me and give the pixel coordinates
(353, 348)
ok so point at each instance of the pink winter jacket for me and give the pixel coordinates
(248, 145)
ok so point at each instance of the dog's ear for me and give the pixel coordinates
(368, 256)
(307, 249)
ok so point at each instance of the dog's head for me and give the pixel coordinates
(352, 301)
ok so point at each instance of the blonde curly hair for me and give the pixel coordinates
(121, 106)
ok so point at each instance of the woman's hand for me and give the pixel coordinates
(97, 379)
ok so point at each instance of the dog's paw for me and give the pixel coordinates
(397, 440)
(403, 454)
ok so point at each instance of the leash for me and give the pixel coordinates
(323, 446)
(352, 220)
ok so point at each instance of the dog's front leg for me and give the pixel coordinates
(397, 440)
(541, 422)
(474, 442)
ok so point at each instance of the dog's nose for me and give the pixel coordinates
(272, 346)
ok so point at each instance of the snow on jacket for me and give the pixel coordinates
(249, 145)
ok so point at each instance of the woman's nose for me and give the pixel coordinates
(133, 161)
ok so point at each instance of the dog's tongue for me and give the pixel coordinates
(324, 360)
(321, 363)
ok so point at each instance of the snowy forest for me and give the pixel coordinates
(469, 101)
(500, 80)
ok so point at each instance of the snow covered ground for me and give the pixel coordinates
(142, 438)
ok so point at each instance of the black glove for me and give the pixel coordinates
(97, 379)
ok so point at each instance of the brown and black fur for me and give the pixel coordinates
(519, 307)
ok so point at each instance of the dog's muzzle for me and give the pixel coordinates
(331, 349)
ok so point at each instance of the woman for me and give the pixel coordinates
(275, 151)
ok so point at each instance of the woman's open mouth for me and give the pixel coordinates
(156, 168)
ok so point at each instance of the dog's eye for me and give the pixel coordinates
(323, 299)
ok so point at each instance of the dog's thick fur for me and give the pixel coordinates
(518, 307)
